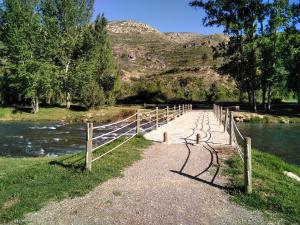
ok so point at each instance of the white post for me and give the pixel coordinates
(138, 122)
(247, 166)
(89, 146)
(167, 114)
(231, 129)
(226, 120)
(220, 121)
(156, 118)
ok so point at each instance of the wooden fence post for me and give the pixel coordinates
(167, 114)
(198, 139)
(191, 107)
(179, 112)
(220, 122)
(231, 129)
(217, 112)
(89, 146)
(174, 112)
(165, 137)
(214, 109)
(226, 120)
(247, 166)
(138, 121)
(156, 120)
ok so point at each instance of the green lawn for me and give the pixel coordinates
(102, 114)
(28, 184)
(272, 190)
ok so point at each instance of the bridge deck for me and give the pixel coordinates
(184, 129)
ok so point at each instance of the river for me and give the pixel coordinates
(20, 139)
(25, 139)
(282, 140)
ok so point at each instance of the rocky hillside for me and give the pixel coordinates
(141, 50)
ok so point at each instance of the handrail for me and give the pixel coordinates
(156, 116)
(111, 124)
(121, 128)
(243, 150)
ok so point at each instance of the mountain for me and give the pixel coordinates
(143, 51)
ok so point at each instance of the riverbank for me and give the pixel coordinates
(28, 184)
(252, 117)
(273, 192)
(103, 114)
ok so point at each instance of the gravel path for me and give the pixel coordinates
(172, 184)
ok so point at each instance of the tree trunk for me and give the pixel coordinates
(264, 97)
(36, 105)
(68, 100)
(254, 101)
(68, 95)
(241, 97)
(269, 97)
(249, 99)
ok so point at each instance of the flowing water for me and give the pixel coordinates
(282, 140)
(20, 139)
(40, 139)
(52, 139)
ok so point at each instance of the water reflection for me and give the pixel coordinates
(282, 140)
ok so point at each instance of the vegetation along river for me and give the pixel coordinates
(282, 140)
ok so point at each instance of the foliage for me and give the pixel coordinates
(272, 190)
(52, 52)
(260, 33)
(25, 188)
(174, 88)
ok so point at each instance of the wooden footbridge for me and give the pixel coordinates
(174, 125)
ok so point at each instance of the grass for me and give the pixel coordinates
(26, 185)
(103, 114)
(272, 190)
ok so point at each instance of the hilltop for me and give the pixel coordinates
(142, 51)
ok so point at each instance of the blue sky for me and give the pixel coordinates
(165, 15)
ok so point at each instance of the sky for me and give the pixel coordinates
(164, 15)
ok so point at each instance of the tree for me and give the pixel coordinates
(271, 47)
(253, 55)
(239, 19)
(65, 21)
(20, 35)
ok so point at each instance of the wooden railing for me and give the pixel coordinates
(241, 144)
(141, 122)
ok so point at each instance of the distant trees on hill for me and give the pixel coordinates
(50, 51)
(263, 53)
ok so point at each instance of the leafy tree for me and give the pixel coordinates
(65, 21)
(253, 55)
(20, 35)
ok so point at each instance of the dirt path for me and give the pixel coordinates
(173, 184)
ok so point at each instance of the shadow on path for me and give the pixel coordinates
(206, 146)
